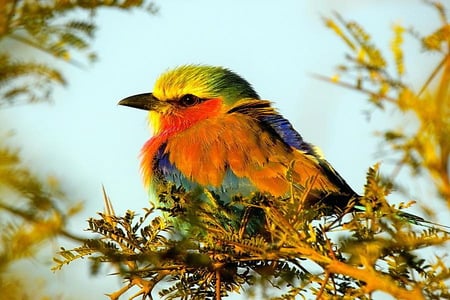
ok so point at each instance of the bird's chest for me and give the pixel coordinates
(198, 153)
(221, 180)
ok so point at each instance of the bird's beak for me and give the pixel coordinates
(142, 101)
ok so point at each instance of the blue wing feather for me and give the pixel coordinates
(287, 133)
(292, 138)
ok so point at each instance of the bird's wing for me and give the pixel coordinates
(282, 128)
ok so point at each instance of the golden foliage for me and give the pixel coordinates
(31, 213)
(426, 149)
(397, 50)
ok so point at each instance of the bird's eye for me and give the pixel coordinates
(189, 100)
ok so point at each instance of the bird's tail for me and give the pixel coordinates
(410, 218)
(416, 220)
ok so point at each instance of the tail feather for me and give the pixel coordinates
(416, 220)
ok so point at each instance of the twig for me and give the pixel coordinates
(432, 75)
(356, 88)
(324, 283)
(218, 283)
(32, 44)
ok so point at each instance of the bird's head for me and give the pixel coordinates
(190, 93)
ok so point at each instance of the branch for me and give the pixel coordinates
(374, 280)
(352, 87)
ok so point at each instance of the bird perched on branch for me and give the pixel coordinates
(213, 131)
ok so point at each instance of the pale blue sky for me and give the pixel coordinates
(85, 139)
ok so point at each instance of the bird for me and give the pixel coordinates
(213, 132)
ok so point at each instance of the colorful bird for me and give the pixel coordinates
(213, 132)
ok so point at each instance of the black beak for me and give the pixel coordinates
(142, 101)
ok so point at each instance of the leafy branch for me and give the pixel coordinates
(49, 27)
(196, 260)
(426, 149)
(34, 210)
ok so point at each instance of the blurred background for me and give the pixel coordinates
(85, 140)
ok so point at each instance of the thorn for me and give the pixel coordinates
(109, 210)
